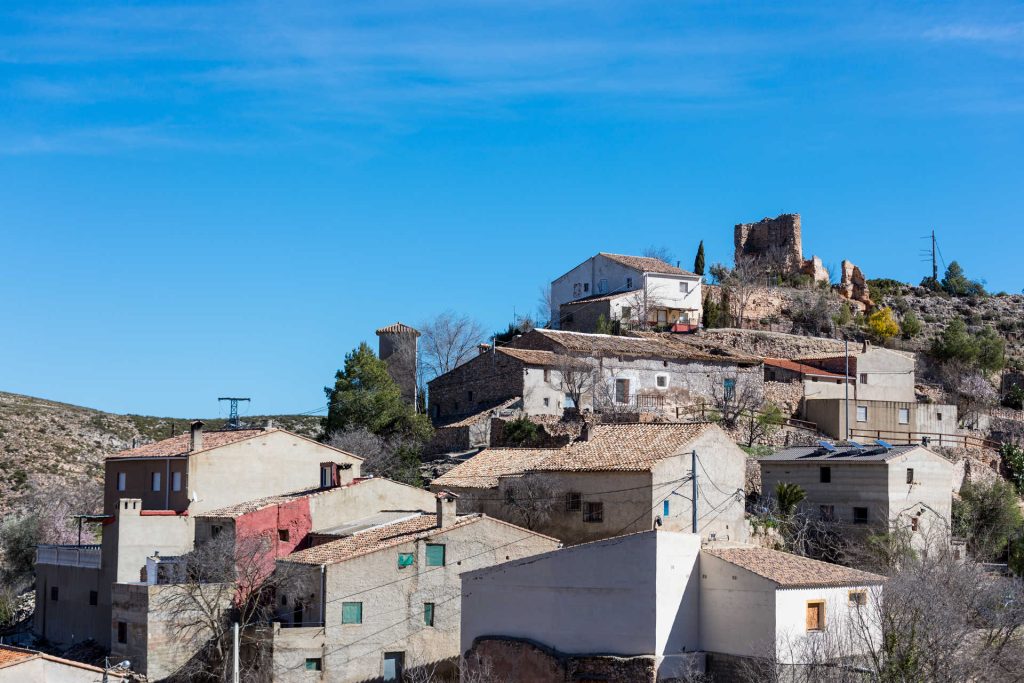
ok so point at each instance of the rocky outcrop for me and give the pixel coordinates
(854, 287)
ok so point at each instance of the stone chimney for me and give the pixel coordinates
(195, 441)
(446, 509)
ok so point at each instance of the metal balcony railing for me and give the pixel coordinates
(87, 556)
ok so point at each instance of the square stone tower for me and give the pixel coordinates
(777, 238)
(398, 347)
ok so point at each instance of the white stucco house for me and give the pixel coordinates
(653, 605)
(635, 290)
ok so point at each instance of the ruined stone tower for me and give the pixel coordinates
(397, 346)
(777, 238)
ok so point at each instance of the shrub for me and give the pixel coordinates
(910, 326)
(986, 515)
(1014, 398)
(882, 324)
(991, 350)
(521, 432)
(1013, 460)
(955, 344)
(879, 288)
(18, 539)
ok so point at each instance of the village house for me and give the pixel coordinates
(876, 486)
(378, 602)
(641, 373)
(18, 665)
(280, 524)
(616, 479)
(654, 606)
(152, 497)
(630, 291)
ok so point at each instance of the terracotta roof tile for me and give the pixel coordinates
(473, 418)
(9, 655)
(378, 538)
(530, 356)
(649, 345)
(645, 264)
(792, 571)
(802, 368)
(398, 328)
(621, 447)
(179, 445)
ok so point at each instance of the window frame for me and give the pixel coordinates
(857, 598)
(432, 562)
(155, 481)
(54, 593)
(661, 380)
(910, 475)
(122, 481)
(861, 409)
(122, 632)
(593, 512)
(314, 664)
(411, 560)
(825, 474)
(684, 287)
(284, 535)
(861, 519)
(176, 479)
(573, 501)
(863, 378)
(900, 413)
(348, 620)
(819, 605)
(429, 614)
(94, 598)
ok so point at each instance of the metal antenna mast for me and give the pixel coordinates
(233, 417)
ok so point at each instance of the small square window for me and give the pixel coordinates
(910, 475)
(825, 475)
(122, 632)
(435, 555)
(629, 283)
(860, 515)
(122, 481)
(938, 416)
(314, 664)
(428, 614)
(573, 502)
(858, 598)
(406, 560)
(914, 522)
(547, 402)
(862, 413)
(283, 535)
(816, 616)
(215, 530)
(863, 378)
(54, 593)
(94, 598)
(626, 312)
(661, 381)
(904, 416)
(593, 512)
(547, 374)
(351, 612)
(684, 287)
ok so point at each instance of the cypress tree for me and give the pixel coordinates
(698, 263)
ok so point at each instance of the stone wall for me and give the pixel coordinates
(498, 658)
(780, 234)
(484, 381)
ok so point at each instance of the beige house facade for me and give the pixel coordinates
(900, 421)
(616, 479)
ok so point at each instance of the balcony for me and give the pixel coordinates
(87, 556)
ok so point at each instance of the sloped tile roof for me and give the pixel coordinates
(179, 444)
(802, 368)
(792, 571)
(641, 345)
(248, 506)
(530, 356)
(378, 538)
(645, 264)
(9, 655)
(478, 415)
(398, 328)
(613, 447)
(599, 297)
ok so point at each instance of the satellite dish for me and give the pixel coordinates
(884, 444)
(827, 446)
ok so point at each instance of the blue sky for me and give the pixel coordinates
(206, 199)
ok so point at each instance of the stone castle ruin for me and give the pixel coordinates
(778, 241)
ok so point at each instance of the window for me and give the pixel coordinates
(155, 481)
(593, 512)
(547, 402)
(816, 616)
(858, 598)
(94, 598)
(664, 508)
(863, 378)
(904, 416)
(122, 632)
(510, 496)
(576, 289)
(54, 593)
(215, 530)
(325, 476)
(547, 374)
(283, 535)
(825, 475)
(729, 384)
(622, 391)
(828, 512)
(860, 515)
(406, 560)
(573, 502)
(629, 283)
(122, 481)
(586, 287)
(602, 286)
(314, 664)
(351, 612)
(469, 395)
(914, 522)
(626, 312)
(661, 381)
(938, 416)
(435, 554)
(569, 403)
(910, 475)
(176, 481)
(394, 666)
(684, 287)
(428, 614)
(862, 413)
(662, 316)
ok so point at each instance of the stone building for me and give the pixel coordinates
(656, 606)
(377, 603)
(398, 347)
(778, 238)
(615, 479)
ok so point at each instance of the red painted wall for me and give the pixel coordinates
(294, 516)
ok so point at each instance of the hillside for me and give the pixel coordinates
(43, 441)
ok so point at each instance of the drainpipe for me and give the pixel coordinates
(846, 381)
(167, 486)
(323, 596)
(693, 470)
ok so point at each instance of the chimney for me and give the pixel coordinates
(446, 509)
(867, 345)
(483, 348)
(196, 436)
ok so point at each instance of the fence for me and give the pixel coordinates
(87, 556)
(934, 438)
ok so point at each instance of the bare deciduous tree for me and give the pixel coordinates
(741, 281)
(447, 341)
(381, 457)
(734, 394)
(661, 253)
(531, 500)
(578, 376)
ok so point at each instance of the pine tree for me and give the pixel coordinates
(698, 263)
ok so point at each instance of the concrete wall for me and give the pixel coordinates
(889, 374)
(42, 669)
(392, 602)
(855, 484)
(883, 418)
(929, 498)
(139, 482)
(70, 618)
(737, 610)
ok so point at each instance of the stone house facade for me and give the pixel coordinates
(615, 479)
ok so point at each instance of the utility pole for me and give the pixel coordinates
(233, 417)
(935, 267)
(234, 655)
(846, 381)
(693, 475)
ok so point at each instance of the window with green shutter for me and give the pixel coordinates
(351, 612)
(428, 613)
(435, 555)
(314, 664)
(406, 560)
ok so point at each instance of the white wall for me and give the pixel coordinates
(737, 610)
(628, 595)
(855, 629)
